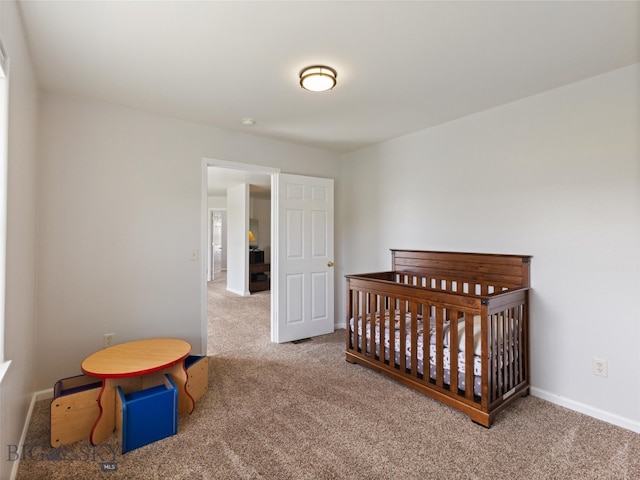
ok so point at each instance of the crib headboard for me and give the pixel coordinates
(507, 270)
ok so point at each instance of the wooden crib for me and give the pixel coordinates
(427, 295)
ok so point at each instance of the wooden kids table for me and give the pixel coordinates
(135, 366)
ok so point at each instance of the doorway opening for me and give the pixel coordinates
(234, 194)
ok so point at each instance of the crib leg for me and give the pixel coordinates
(350, 360)
(478, 423)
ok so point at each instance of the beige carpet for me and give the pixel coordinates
(301, 412)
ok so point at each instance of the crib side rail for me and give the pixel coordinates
(506, 346)
(378, 315)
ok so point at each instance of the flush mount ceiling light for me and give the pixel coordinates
(248, 122)
(318, 78)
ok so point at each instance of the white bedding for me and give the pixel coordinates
(477, 362)
(477, 344)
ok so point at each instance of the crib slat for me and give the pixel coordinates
(493, 341)
(351, 339)
(503, 354)
(386, 306)
(439, 354)
(365, 318)
(513, 343)
(508, 370)
(454, 344)
(413, 308)
(468, 355)
(403, 336)
(521, 359)
(502, 368)
(508, 316)
(362, 317)
(426, 338)
(372, 321)
(453, 354)
(505, 350)
(498, 354)
(512, 357)
(507, 358)
(393, 308)
(501, 364)
(353, 315)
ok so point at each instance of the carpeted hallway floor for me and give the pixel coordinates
(299, 411)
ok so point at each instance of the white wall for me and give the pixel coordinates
(219, 203)
(120, 201)
(20, 309)
(238, 239)
(556, 176)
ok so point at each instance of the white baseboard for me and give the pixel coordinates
(239, 292)
(43, 394)
(632, 425)
(37, 396)
(4, 366)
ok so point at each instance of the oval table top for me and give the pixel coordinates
(139, 357)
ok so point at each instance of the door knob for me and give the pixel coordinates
(329, 264)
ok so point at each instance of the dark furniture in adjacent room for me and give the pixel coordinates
(259, 277)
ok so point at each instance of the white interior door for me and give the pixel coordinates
(304, 291)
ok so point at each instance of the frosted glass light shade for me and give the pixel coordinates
(318, 78)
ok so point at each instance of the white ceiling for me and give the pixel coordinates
(402, 66)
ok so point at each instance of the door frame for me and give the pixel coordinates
(204, 209)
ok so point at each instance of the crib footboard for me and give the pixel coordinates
(468, 351)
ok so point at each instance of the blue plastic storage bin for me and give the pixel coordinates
(149, 415)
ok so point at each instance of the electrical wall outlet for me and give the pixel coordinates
(600, 367)
(108, 339)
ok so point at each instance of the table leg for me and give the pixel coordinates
(106, 422)
(178, 373)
